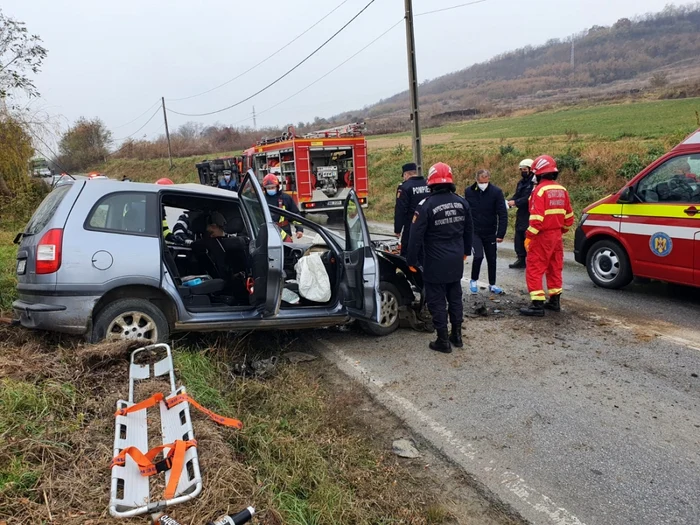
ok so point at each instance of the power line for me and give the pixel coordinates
(263, 60)
(135, 132)
(450, 8)
(141, 115)
(331, 71)
(281, 77)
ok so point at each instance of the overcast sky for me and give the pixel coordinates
(115, 59)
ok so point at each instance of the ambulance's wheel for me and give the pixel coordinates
(389, 311)
(608, 265)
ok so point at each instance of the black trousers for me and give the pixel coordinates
(405, 236)
(484, 245)
(441, 298)
(520, 244)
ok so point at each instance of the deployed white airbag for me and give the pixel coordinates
(313, 280)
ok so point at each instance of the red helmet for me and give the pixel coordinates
(164, 181)
(544, 164)
(270, 180)
(440, 173)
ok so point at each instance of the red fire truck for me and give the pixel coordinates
(317, 169)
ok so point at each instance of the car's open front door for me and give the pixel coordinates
(361, 282)
(266, 252)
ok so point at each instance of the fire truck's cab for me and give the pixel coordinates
(650, 228)
(317, 170)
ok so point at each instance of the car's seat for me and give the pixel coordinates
(135, 217)
(211, 286)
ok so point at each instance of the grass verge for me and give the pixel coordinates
(301, 458)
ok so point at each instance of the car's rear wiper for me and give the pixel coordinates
(20, 236)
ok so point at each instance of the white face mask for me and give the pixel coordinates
(483, 185)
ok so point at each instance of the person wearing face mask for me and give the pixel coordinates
(490, 217)
(228, 182)
(276, 197)
(521, 201)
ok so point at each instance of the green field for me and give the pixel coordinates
(650, 119)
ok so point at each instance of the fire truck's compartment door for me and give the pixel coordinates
(360, 169)
(360, 285)
(266, 251)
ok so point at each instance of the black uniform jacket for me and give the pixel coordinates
(408, 195)
(522, 202)
(442, 226)
(282, 200)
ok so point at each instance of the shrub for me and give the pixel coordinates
(633, 165)
(507, 149)
(570, 160)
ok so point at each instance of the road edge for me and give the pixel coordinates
(428, 435)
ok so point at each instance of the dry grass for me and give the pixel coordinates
(301, 457)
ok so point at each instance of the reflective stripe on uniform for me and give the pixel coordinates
(536, 218)
(555, 211)
(555, 291)
(569, 215)
(550, 187)
(533, 231)
(537, 295)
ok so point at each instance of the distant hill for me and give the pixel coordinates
(658, 53)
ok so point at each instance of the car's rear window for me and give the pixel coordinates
(46, 210)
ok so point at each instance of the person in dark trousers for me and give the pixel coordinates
(441, 230)
(521, 201)
(276, 197)
(410, 192)
(228, 182)
(490, 215)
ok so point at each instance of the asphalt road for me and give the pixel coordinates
(589, 417)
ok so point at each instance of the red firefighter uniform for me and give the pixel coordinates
(551, 216)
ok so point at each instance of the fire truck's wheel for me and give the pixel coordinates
(608, 265)
(389, 311)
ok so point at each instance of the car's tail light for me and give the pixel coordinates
(48, 252)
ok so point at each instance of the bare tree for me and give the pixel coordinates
(20, 54)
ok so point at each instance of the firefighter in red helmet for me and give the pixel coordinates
(276, 197)
(551, 216)
(439, 242)
(164, 181)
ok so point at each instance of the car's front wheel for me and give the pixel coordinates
(608, 265)
(389, 311)
(131, 319)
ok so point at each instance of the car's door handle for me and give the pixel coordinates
(692, 211)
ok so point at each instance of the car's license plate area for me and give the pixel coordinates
(21, 266)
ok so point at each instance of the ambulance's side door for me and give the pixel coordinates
(661, 227)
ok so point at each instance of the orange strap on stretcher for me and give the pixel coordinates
(173, 461)
(173, 401)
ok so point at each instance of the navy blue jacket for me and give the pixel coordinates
(282, 200)
(522, 202)
(489, 211)
(408, 195)
(230, 185)
(442, 227)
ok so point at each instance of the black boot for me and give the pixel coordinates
(456, 336)
(442, 343)
(554, 303)
(536, 309)
(519, 264)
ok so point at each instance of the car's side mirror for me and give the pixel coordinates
(627, 196)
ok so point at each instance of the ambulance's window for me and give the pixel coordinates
(675, 181)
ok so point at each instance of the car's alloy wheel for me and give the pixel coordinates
(132, 326)
(389, 309)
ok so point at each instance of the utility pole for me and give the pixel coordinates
(255, 122)
(413, 86)
(167, 133)
(573, 64)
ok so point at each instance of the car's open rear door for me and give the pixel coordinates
(361, 282)
(267, 254)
